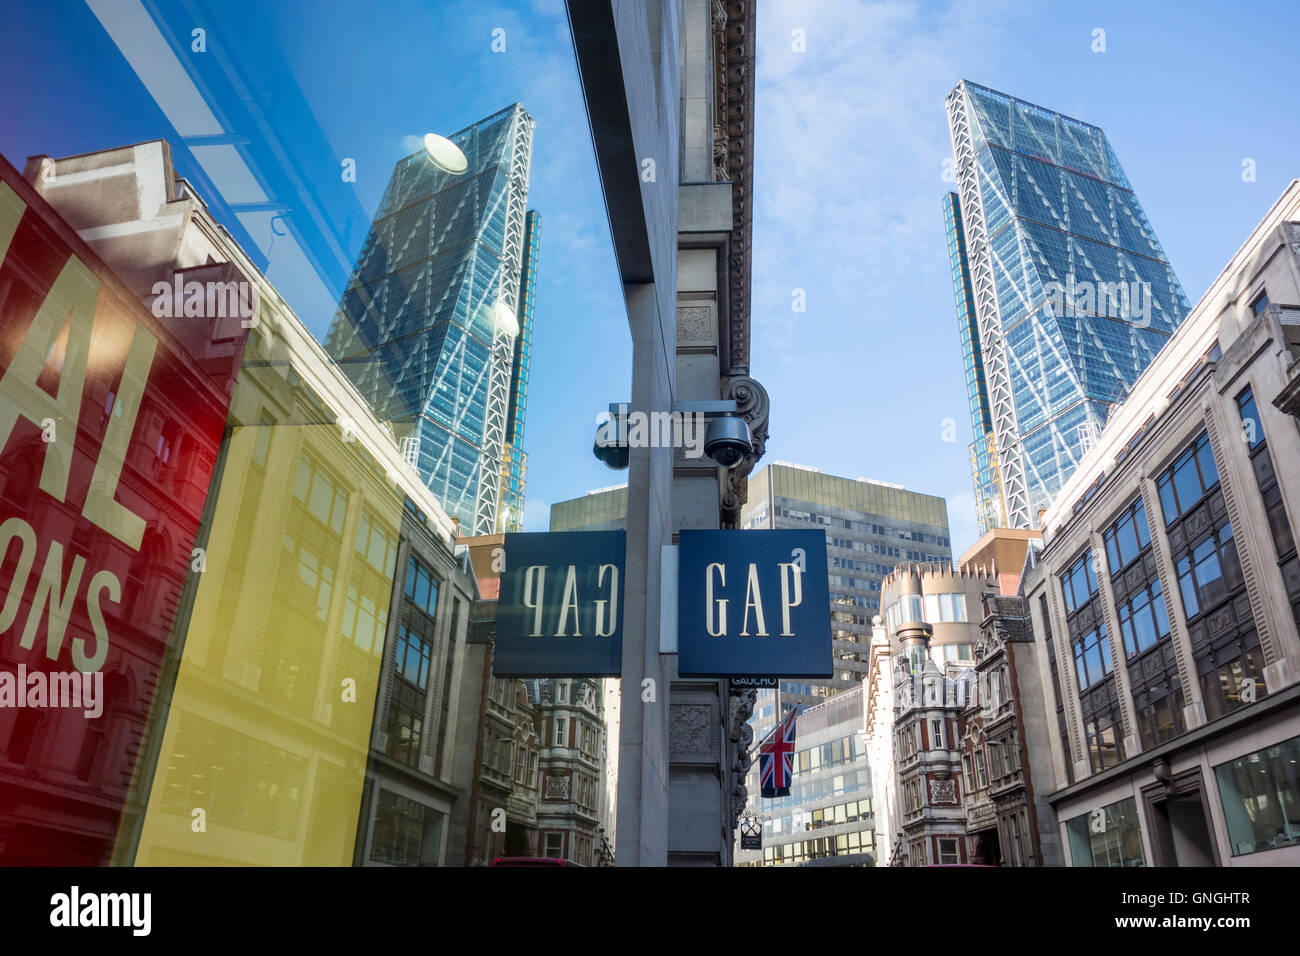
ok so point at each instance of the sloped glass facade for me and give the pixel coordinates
(417, 323)
(1080, 296)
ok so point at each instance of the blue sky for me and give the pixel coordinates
(850, 144)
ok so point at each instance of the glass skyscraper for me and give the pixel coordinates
(1071, 291)
(427, 326)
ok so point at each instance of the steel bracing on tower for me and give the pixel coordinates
(1015, 497)
(503, 345)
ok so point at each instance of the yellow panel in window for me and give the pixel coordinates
(264, 747)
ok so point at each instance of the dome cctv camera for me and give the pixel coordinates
(611, 448)
(727, 440)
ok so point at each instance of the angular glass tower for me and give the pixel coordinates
(427, 326)
(1072, 293)
(514, 465)
(983, 450)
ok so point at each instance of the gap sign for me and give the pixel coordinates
(560, 610)
(753, 603)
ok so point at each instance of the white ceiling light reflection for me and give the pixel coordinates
(445, 154)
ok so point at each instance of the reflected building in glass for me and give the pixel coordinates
(290, 691)
(1071, 292)
(427, 328)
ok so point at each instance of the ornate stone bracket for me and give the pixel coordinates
(753, 406)
(742, 736)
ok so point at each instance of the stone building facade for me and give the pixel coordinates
(928, 703)
(945, 599)
(573, 731)
(1006, 744)
(1167, 590)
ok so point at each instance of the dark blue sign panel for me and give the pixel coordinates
(753, 603)
(560, 612)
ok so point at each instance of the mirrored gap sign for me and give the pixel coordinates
(560, 611)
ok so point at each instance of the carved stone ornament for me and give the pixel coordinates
(742, 736)
(943, 791)
(691, 731)
(752, 405)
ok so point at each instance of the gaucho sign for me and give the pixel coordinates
(109, 431)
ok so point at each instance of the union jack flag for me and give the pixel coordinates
(776, 759)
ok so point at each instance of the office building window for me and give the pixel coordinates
(1144, 619)
(1107, 836)
(1126, 538)
(941, 608)
(1279, 525)
(948, 852)
(1079, 582)
(1184, 483)
(413, 658)
(554, 846)
(405, 727)
(1221, 626)
(1092, 656)
(1103, 727)
(1050, 645)
(421, 587)
(1144, 631)
(406, 833)
(1103, 734)
(1260, 793)
(1208, 571)
(1159, 710)
(1259, 303)
(1231, 674)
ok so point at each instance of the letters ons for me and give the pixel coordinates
(69, 304)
